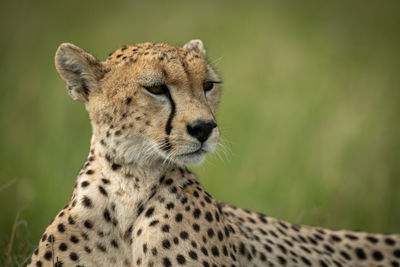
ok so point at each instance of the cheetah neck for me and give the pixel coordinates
(139, 174)
(124, 188)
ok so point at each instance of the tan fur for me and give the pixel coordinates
(136, 204)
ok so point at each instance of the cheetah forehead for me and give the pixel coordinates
(152, 50)
(156, 61)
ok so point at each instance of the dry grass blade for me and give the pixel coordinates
(7, 185)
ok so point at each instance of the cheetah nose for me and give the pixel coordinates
(201, 129)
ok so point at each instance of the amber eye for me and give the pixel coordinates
(157, 89)
(208, 86)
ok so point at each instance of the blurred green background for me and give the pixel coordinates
(309, 113)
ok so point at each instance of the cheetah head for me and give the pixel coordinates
(147, 102)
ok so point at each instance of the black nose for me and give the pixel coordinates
(201, 129)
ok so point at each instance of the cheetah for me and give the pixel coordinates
(152, 111)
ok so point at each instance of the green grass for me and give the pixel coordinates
(310, 106)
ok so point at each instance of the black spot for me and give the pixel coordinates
(281, 260)
(105, 181)
(102, 190)
(128, 100)
(173, 189)
(85, 236)
(351, 237)
(329, 248)
(85, 183)
(61, 228)
(44, 237)
(73, 256)
(154, 222)
(38, 263)
(389, 241)
(377, 255)
(106, 215)
(88, 224)
(74, 239)
(115, 166)
(372, 239)
(196, 213)
(282, 248)
(220, 236)
(71, 220)
(215, 251)
(165, 228)
(262, 256)
(345, 255)
(196, 227)
(336, 238)
(210, 233)
(166, 244)
(322, 263)
(140, 209)
(166, 262)
(48, 255)
(114, 243)
(204, 250)
(51, 239)
(63, 247)
(184, 200)
(209, 216)
(178, 217)
(193, 255)
(89, 172)
(149, 212)
(101, 247)
(180, 259)
(396, 253)
(360, 253)
(87, 202)
(306, 261)
(184, 235)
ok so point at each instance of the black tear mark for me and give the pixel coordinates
(168, 126)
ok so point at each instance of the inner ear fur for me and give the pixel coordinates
(197, 46)
(80, 70)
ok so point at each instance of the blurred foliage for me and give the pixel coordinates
(309, 112)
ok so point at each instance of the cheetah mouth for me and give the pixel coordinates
(197, 152)
(193, 154)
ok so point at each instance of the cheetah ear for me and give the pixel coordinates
(197, 46)
(80, 70)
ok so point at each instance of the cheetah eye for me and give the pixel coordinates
(208, 86)
(157, 89)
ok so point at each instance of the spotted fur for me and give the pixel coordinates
(135, 203)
